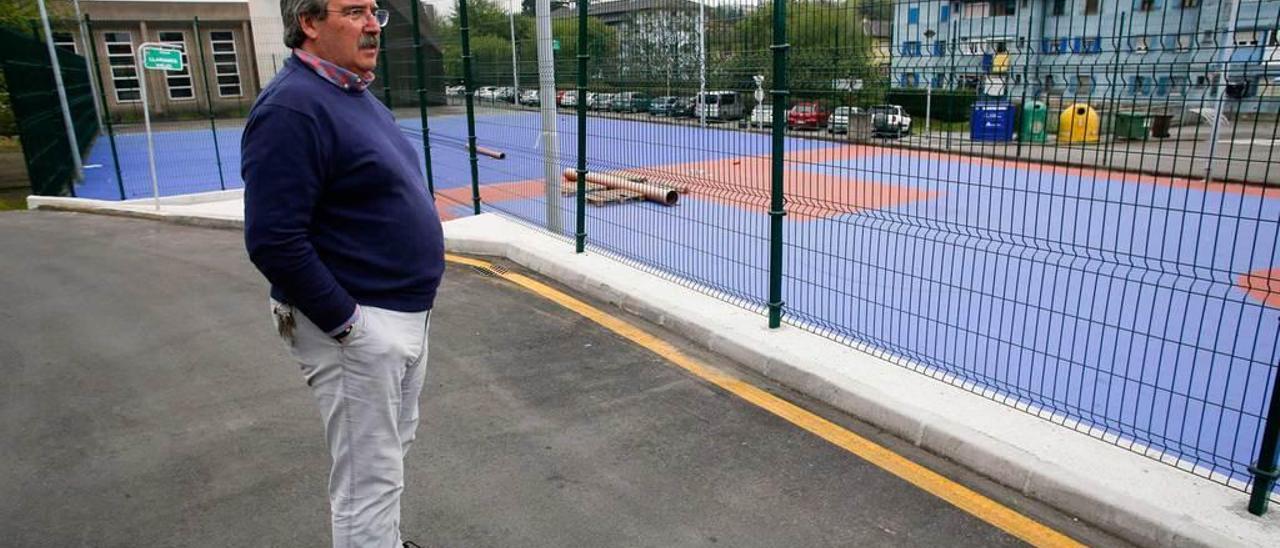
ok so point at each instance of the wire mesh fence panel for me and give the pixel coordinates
(1079, 222)
(197, 112)
(1068, 206)
(37, 109)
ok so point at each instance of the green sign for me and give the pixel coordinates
(555, 45)
(162, 59)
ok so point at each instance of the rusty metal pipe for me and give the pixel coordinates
(498, 154)
(653, 193)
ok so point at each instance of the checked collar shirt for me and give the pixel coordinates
(335, 74)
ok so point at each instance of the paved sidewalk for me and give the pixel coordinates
(148, 402)
(1136, 498)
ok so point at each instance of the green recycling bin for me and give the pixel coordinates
(1132, 125)
(1035, 122)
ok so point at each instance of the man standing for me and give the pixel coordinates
(338, 219)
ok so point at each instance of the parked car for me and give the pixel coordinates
(597, 101)
(890, 120)
(506, 94)
(455, 90)
(631, 101)
(807, 114)
(761, 116)
(560, 96)
(720, 105)
(839, 121)
(569, 98)
(685, 107)
(487, 93)
(663, 106)
(529, 97)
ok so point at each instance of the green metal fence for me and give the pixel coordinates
(1067, 207)
(33, 97)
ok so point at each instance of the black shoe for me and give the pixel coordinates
(411, 544)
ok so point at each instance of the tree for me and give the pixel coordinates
(827, 45)
(19, 14)
(602, 46)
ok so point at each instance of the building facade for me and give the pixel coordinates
(1121, 52)
(657, 39)
(217, 44)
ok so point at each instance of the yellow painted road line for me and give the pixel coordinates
(962, 497)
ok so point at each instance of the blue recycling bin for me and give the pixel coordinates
(992, 121)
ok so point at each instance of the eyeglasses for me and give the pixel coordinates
(359, 14)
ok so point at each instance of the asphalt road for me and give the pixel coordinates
(146, 401)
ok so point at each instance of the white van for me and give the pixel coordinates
(720, 105)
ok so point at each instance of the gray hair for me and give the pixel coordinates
(291, 10)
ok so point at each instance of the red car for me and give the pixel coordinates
(807, 114)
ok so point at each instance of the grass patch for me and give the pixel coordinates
(13, 199)
(9, 143)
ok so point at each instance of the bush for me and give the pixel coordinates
(948, 105)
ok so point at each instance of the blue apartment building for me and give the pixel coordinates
(1125, 53)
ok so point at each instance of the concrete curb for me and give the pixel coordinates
(139, 210)
(1134, 497)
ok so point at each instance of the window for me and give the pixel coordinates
(1084, 84)
(66, 41)
(1093, 45)
(1207, 39)
(1139, 85)
(911, 49)
(1189, 3)
(1059, 7)
(1138, 44)
(124, 70)
(1184, 42)
(178, 81)
(1146, 5)
(1248, 38)
(226, 65)
(940, 48)
(1177, 85)
(1051, 85)
(1000, 8)
(1162, 86)
(976, 10)
(913, 16)
(1090, 7)
(944, 14)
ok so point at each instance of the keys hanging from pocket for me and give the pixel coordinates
(285, 323)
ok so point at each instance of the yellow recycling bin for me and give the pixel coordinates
(1079, 123)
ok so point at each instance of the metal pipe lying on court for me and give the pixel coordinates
(491, 152)
(653, 193)
(679, 183)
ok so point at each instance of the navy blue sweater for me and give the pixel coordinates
(335, 210)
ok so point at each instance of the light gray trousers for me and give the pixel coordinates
(367, 389)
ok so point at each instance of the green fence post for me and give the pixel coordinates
(386, 67)
(213, 127)
(1264, 469)
(580, 233)
(471, 110)
(776, 200)
(422, 98)
(106, 110)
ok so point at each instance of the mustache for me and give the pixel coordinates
(367, 40)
